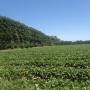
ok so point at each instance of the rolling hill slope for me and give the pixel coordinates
(14, 34)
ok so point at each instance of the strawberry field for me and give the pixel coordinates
(64, 67)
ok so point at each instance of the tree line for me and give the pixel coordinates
(74, 42)
(14, 34)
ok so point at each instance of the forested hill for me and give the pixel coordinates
(14, 34)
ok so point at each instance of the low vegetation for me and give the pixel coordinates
(64, 67)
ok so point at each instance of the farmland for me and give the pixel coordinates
(65, 67)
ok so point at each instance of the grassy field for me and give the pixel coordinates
(46, 68)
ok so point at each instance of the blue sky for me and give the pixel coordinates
(67, 19)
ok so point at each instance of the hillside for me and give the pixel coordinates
(14, 34)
